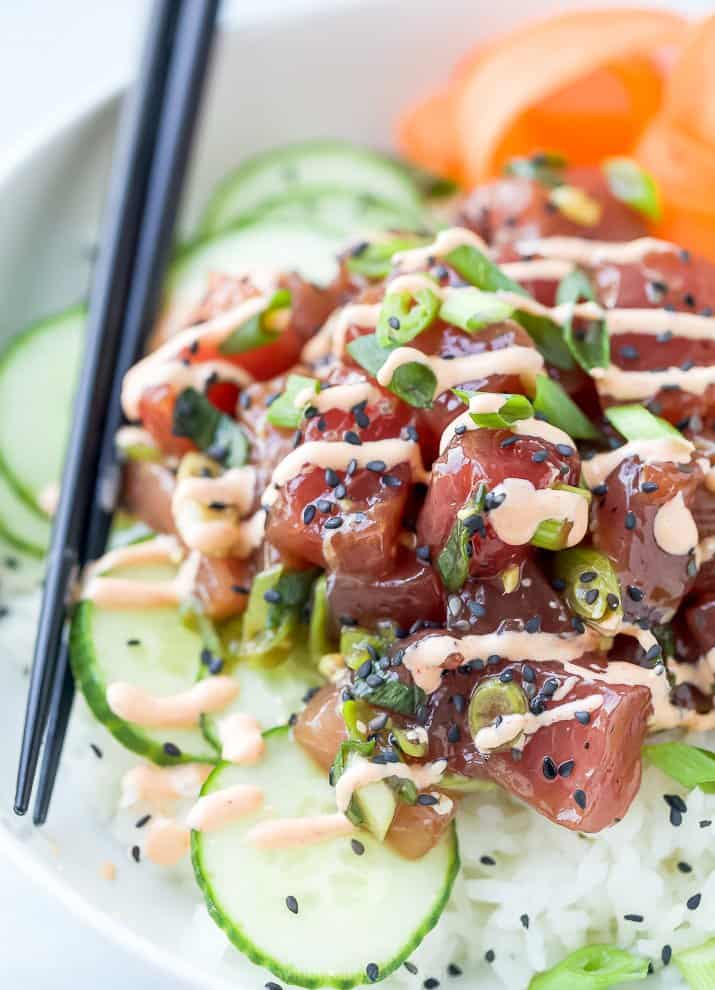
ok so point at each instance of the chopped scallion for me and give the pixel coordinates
(283, 411)
(698, 965)
(405, 315)
(514, 408)
(211, 430)
(559, 409)
(477, 269)
(691, 766)
(591, 346)
(632, 185)
(635, 422)
(472, 309)
(263, 328)
(594, 967)
(546, 168)
(374, 260)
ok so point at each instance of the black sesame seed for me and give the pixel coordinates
(490, 955)
(524, 919)
(454, 970)
(558, 584)
(410, 967)
(136, 854)
(96, 750)
(533, 625)
(487, 861)
(565, 449)
(666, 954)
(351, 436)
(613, 600)
(427, 800)
(335, 522)
(171, 749)
(394, 322)
(460, 430)
(292, 904)
(341, 491)
(352, 467)
(705, 823)
(676, 818)
(272, 596)
(508, 441)
(528, 673)
(423, 553)
(372, 971)
(579, 797)
(550, 686)
(240, 589)
(566, 768)
(133, 642)
(431, 983)
(377, 466)
(141, 822)
(583, 717)
(453, 734)
(653, 653)
(308, 514)
(601, 489)
(539, 456)
(548, 768)
(506, 676)
(357, 847)
(331, 478)
(493, 659)
(537, 705)
(578, 624)
(649, 486)
(693, 903)
(635, 594)
(391, 481)
(272, 986)
(591, 596)
(324, 505)
(587, 577)
(638, 918)
(685, 867)
(630, 521)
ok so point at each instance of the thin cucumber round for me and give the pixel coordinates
(150, 648)
(347, 213)
(305, 166)
(288, 245)
(270, 694)
(21, 525)
(354, 912)
(38, 369)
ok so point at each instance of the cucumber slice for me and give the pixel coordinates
(289, 245)
(271, 695)
(165, 661)
(21, 525)
(310, 165)
(344, 212)
(353, 911)
(38, 369)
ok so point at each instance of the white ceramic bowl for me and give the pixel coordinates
(344, 71)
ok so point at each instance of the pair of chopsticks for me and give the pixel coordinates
(150, 163)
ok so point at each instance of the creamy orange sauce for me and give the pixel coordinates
(289, 833)
(425, 658)
(582, 251)
(361, 772)
(526, 362)
(338, 396)
(525, 507)
(674, 528)
(675, 449)
(445, 242)
(540, 269)
(166, 842)
(122, 592)
(494, 736)
(629, 385)
(176, 711)
(241, 739)
(208, 513)
(158, 786)
(214, 811)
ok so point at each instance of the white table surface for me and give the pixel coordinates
(52, 52)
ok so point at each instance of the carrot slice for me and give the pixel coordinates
(690, 101)
(538, 59)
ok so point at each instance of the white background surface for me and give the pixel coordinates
(53, 52)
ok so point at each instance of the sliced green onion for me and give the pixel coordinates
(552, 534)
(408, 742)
(460, 784)
(261, 329)
(283, 411)
(594, 967)
(586, 571)
(590, 347)
(632, 185)
(548, 337)
(211, 430)
(477, 269)
(492, 699)
(691, 766)
(560, 410)
(405, 315)
(347, 749)
(271, 627)
(514, 408)
(354, 642)
(320, 641)
(698, 965)
(634, 422)
(395, 696)
(415, 383)
(453, 561)
(546, 168)
(576, 205)
(374, 259)
(472, 309)
(368, 353)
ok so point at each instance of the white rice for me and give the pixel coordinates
(574, 888)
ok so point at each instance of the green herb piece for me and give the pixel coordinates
(594, 967)
(374, 259)
(472, 309)
(634, 422)
(415, 383)
(586, 571)
(477, 269)
(633, 186)
(591, 345)
(492, 699)
(560, 410)
(368, 353)
(453, 561)
(211, 430)
(410, 743)
(263, 328)
(404, 790)
(283, 411)
(514, 408)
(405, 315)
(691, 766)
(548, 337)
(545, 167)
(346, 750)
(320, 641)
(273, 626)
(698, 965)
(394, 696)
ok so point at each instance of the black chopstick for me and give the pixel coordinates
(144, 194)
